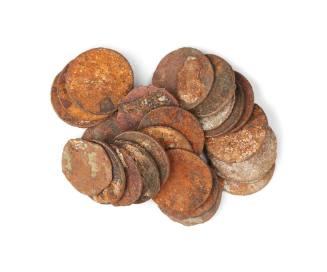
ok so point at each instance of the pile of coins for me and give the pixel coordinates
(180, 141)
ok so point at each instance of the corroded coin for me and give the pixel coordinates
(254, 167)
(140, 101)
(222, 90)
(233, 118)
(115, 190)
(189, 184)
(153, 147)
(246, 188)
(240, 145)
(87, 166)
(98, 79)
(147, 167)
(249, 101)
(168, 137)
(187, 74)
(179, 119)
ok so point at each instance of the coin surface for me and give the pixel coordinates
(189, 183)
(153, 147)
(187, 74)
(140, 101)
(98, 79)
(242, 144)
(179, 119)
(222, 90)
(168, 137)
(87, 166)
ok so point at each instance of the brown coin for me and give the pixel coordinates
(215, 120)
(153, 147)
(115, 190)
(147, 168)
(241, 145)
(222, 90)
(168, 137)
(98, 79)
(246, 188)
(249, 101)
(87, 166)
(187, 74)
(189, 184)
(254, 167)
(140, 101)
(105, 131)
(134, 180)
(179, 119)
(233, 117)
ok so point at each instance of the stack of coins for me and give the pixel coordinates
(180, 141)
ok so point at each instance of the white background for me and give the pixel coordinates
(45, 225)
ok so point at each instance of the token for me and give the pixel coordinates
(87, 166)
(115, 190)
(187, 74)
(189, 184)
(168, 137)
(98, 79)
(140, 101)
(241, 145)
(147, 167)
(179, 119)
(222, 90)
(153, 147)
(246, 188)
(233, 117)
(249, 101)
(254, 167)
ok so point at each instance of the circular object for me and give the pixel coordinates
(87, 166)
(189, 184)
(168, 137)
(153, 147)
(147, 166)
(249, 101)
(240, 145)
(98, 79)
(253, 168)
(187, 74)
(140, 101)
(115, 190)
(233, 117)
(222, 90)
(179, 119)
(246, 188)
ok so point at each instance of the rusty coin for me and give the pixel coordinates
(115, 190)
(249, 101)
(153, 147)
(189, 184)
(187, 74)
(168, 137)
(147, 167)
(246, 188)
(98, 79)
(87, 166)
(241, 145)
(179, 119)
(222, 90)
(233, 117)
(140, 101)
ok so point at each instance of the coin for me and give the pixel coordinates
(187, 74)
(179, 119)
(98, 79)
(87, 166)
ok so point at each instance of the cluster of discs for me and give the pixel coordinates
(180, 141)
